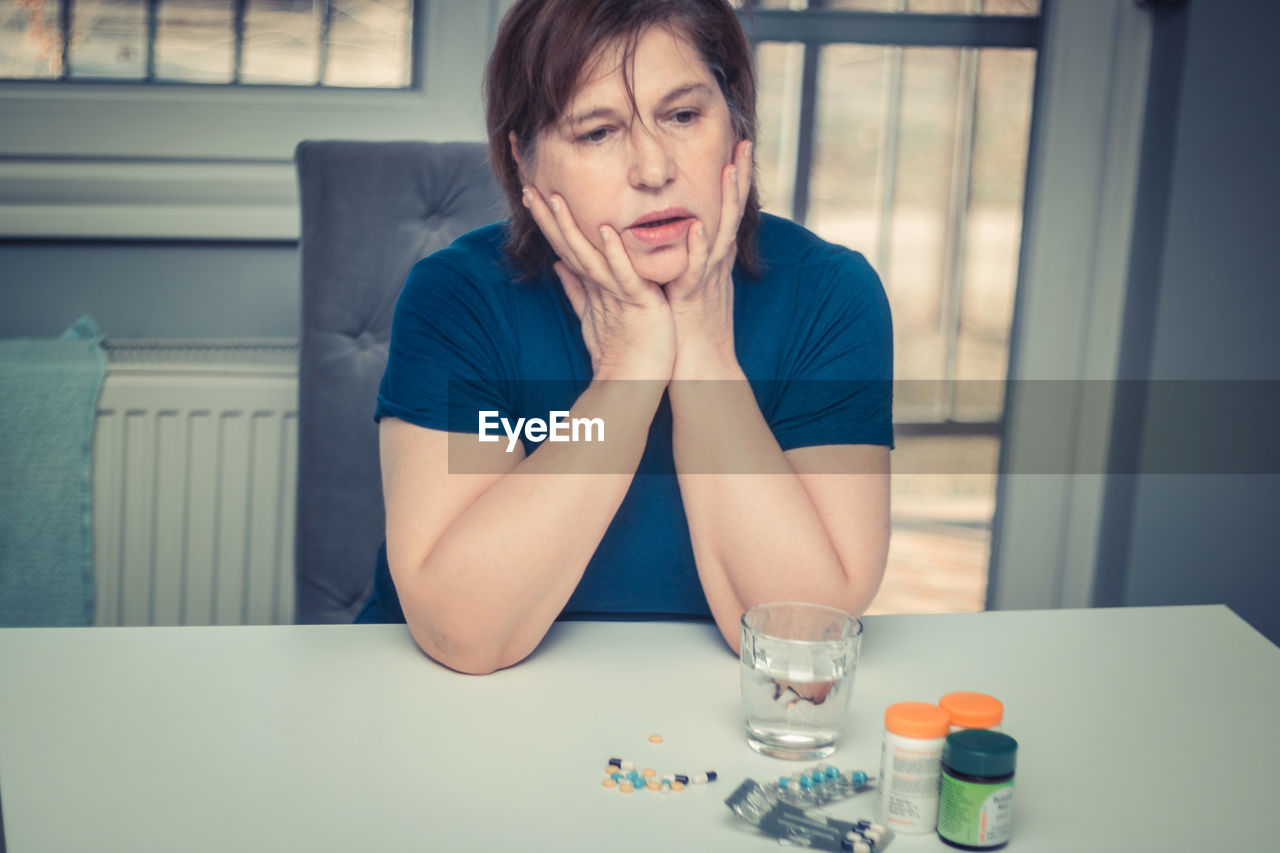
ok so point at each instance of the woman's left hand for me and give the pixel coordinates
(702, 299)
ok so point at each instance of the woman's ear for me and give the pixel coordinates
(515, 151)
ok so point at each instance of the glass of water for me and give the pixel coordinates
(798, 662)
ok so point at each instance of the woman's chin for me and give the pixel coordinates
(662, 268)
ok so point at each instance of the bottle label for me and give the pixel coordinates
(909, 786)
(975, 814)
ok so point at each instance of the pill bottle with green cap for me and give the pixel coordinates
(972, 711)
(975, 809)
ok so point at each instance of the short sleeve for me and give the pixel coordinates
(445, 353)
(840, 389)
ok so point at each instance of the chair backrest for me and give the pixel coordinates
(369, 211)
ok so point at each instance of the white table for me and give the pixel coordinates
(1139, 729)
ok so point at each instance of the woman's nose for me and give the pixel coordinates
(651, 163)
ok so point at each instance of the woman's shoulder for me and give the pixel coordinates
(791, 250)
(477, 256)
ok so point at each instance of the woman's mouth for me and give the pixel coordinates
(661, 227)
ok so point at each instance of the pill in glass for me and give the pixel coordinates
(627, 764)
(648, 772)
(655, 738)
(682, 779)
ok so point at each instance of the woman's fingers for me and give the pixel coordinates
(573, 288)
(735, 186)
(615, 255)
(745, 172)
(550, 228)
(699, 252)
(558, 226)
(611, 271)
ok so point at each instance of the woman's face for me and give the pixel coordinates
(660, 163)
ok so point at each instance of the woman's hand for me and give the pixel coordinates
(702, 299)
(626, 321)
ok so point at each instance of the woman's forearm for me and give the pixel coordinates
(498, 576)
(757, 534)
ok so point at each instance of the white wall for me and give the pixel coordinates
(1207, 302)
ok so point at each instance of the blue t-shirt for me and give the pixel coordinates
(812, 334)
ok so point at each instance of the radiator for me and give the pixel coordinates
(194, 480)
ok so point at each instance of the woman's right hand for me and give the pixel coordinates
(627, 323)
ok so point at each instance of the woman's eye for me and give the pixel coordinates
(600, 134)
(685, 116)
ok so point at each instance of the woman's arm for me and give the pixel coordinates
(811, 524)
(484, 562)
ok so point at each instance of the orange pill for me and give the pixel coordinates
(609, 783)
(677, 786)
(625, 787)
(648, 772)
(655, 738)
(652, 784)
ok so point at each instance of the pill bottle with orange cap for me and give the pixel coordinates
(972, 711)
(910, 766)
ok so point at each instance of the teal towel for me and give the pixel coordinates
(48, 401)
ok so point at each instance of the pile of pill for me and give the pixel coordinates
(819, 785)
(864, 837)
(621, 773)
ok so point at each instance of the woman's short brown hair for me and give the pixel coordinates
(542, 51)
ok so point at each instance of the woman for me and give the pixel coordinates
(636, 285)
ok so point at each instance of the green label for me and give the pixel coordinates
(974, 814)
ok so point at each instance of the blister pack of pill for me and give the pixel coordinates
(819, 785)
(795, 826)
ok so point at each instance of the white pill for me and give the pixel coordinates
(699, 778)
(627, 764)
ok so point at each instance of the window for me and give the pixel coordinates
(105, 158)
(330, 43)
(900, 128)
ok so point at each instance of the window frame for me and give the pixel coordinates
(1080, 214)
(206, 162)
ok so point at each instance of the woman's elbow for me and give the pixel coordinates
(469, 655)
(467, 658)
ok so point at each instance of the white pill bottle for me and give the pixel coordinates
(911, 766)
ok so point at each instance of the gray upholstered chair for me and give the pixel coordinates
(369, 211)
